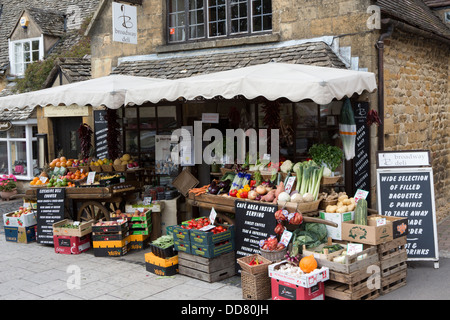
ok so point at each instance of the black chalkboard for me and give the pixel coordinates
(362, 149)
(254, 222)
(100, 134)
(409, 193)
(50, 209)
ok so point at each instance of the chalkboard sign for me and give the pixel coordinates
(100, 133)
(254, 222)
(409, 193)
(50, 209)
(362, 148)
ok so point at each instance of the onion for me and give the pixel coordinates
(261, 190)
(252, 194)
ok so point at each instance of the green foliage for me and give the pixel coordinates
(35, 75)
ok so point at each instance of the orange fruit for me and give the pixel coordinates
(58, 164)
(63, 159)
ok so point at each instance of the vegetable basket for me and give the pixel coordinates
(274, 255)
(120, 167)
(107, 167)
(262, 267)
(84, 168)
(301, 207)
(330, 180)
(96, 168)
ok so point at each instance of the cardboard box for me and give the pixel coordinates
(399, 226)
(282, 290)
(71, 244)
(372, 235)
(25, 220)
(161, 266)
(304, 280)
(336, 232)
(20, 234)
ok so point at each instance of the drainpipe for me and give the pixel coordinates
(380, 46)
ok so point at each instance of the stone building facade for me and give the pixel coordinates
(416, 69)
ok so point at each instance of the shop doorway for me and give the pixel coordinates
(66, 136)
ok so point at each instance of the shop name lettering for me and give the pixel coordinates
(234, 139)
(255, 210)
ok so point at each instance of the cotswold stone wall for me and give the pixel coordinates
(417, 104)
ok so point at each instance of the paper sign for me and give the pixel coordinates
(91, 177)
(360, 194)
(353, 248)
(289, 184)
(147, 201)
(286, 237)
(212, 216)
(43, 179)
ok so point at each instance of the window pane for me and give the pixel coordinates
(167, 119)
(217, 18)
(18, 157)
(262, 15)
(17, 132)
(3, 157)
(147, 118)
(196, 19)
(239, 16)
(26, 46)
(148, 142)
(35, 45)
(27, 57)
(131, 141)
(35, 55)
(176, 20)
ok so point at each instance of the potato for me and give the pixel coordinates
(342, 209)
(331, 209)
(346, 202)
(343, 197)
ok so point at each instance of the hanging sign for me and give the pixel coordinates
(5, 125)
(409, 193)
(124, 23)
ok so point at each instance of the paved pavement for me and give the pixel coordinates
(36, 272)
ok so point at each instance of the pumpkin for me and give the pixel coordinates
(308, 264)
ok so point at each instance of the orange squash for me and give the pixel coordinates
(308, 264)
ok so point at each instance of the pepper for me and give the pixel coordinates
(246, 188)
(243, 194)
(252, 183)
(233, 193)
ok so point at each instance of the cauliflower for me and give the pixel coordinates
(286, 166)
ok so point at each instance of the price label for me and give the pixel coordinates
(286, 237)
(43, 179)
(353, 248)
(360, 194)
(91, 177)
(212, 216)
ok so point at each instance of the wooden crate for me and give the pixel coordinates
(393, 264)
(393, 281)
(209, 270)
(352, 264)
(255, 286)
(352, 286)
(392, 256)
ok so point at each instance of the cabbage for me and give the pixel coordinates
(326, 172)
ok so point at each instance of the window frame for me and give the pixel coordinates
(12, 56)
(206, 24)
(29, 139)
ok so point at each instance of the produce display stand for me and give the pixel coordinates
(226, 205)
(95, 202)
